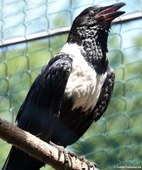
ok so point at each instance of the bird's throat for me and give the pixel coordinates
(95, 54)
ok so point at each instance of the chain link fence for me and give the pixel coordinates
(31, 32)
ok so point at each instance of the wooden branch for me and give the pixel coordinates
(40, 149)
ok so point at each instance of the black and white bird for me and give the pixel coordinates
(73, 90)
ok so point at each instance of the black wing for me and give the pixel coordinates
(105, 95)
(42, 103)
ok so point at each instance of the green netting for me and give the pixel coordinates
(115, 140)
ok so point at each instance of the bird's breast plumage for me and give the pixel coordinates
(84, 84)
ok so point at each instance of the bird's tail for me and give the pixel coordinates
(18, 160)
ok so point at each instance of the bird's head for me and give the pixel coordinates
(92, 20)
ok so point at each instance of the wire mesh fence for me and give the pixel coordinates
(115, 140)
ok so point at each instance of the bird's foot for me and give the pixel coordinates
(89, 164)
(67, 154)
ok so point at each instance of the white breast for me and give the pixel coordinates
(84, 84)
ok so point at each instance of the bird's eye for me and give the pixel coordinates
(91, 13)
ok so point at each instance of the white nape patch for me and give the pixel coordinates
(84, 84)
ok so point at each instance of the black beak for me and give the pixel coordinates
(111, 12)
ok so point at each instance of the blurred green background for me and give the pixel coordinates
(113, 141)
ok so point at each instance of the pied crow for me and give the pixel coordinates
(74, 88)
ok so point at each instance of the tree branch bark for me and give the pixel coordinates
(40, 149)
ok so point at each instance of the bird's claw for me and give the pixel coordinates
(89, 164)
(68, 154)
(61, 150)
